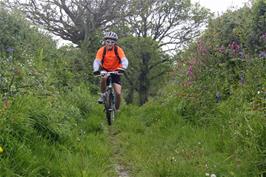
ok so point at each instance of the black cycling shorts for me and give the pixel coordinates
(116, 79)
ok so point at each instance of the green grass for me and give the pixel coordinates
(157, 141)
(67, 136)
(57, 136)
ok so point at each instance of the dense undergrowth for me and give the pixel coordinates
(210, 119)
(186, 131)
(54, 136)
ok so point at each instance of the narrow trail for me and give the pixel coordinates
(121, 171)
(119, 165)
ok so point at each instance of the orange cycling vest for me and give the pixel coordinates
(111, 61)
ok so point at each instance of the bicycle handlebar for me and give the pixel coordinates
(106, 73)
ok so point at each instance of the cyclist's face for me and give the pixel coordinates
(109, 43)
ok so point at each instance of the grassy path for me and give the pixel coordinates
(154, 141)
(120, 167)
(71, 138)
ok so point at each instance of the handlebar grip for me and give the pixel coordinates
(121, 71)
(96, 73)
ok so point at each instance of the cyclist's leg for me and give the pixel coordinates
(103, 88)
(103, 84)
(118, 90)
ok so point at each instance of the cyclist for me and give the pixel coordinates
(110, 57)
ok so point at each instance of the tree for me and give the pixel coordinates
(161, 26)
(73, 20)
(257, 34)
(172, 23)
(147, 66)
(19, 35)
(77, 20)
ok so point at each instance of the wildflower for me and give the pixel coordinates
(235, 48)
(207, 174)
(221, 49)
(10, 50)
(262, 54)
(201, 48)
(173, 159)
(190, 71)
(1, 150)
(213, 175)
(258, 92)
(242, 54)
(263, 36)
(218, 97)
(242, 79)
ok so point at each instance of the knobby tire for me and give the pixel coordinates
(109, 108)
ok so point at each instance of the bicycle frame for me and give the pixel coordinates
(109, 97)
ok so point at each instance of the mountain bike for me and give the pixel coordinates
(109, 96)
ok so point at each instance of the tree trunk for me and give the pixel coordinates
(144, 83)
(143, 88)
(130, 95)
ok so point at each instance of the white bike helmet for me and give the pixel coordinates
(111, 35)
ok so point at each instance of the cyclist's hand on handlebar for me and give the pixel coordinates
(103, 72)
(121, 70)
(96, 73)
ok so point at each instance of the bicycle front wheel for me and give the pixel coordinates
(110, 108)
